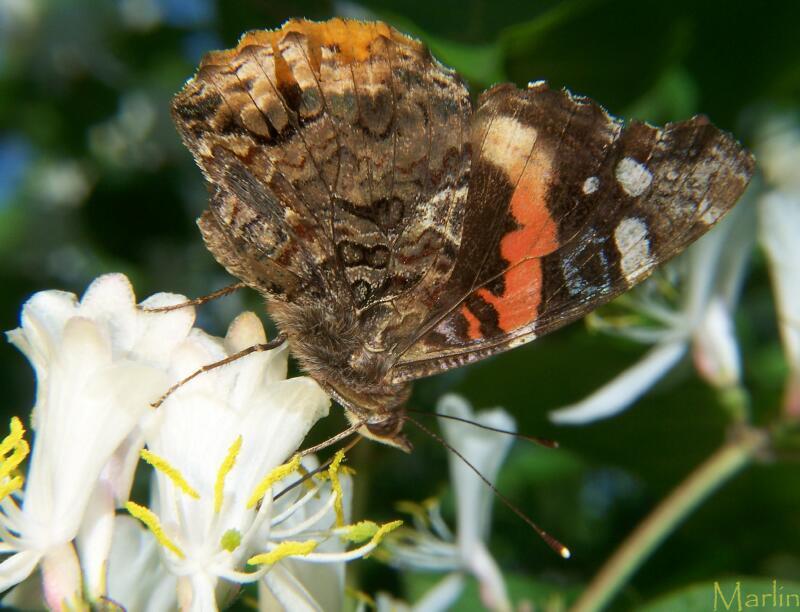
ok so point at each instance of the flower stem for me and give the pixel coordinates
(718, 468)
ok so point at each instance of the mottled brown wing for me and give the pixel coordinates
(567, 208)
(337, 155)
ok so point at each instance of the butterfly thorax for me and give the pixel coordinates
(332, 347)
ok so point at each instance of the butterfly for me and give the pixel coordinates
(398, 230)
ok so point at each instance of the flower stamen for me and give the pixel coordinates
(362, 530)
(227, 466)
(283, 550)
(171, 472)
(19, 449)
(277, 474)
(13, 438)
(150, 520)
(333, 474)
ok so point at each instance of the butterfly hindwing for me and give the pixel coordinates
(567, 208)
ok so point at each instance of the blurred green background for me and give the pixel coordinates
(93, 179)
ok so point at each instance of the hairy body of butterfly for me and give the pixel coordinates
(397, 231)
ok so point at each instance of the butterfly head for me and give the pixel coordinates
(385, 427)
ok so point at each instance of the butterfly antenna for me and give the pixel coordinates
(317, 470)
(333, 439)
(557, 546)
(535, 439)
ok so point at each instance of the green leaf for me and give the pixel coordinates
(569, 45)
(481, 64)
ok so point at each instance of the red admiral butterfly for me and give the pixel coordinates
(397, 230)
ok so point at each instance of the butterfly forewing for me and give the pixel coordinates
(568, 208)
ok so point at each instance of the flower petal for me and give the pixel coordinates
(61, 578)
(17, 568)
(158, 333)
(110, 300)
(780, 228)
(442, 596)
(137, 578)
(94, 539)
(715, 350)
(613, 397)
(490, 580)
(244, 331)
(485, 450)
(281, 589)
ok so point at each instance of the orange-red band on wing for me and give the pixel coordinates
(536, 236)
(473, 324)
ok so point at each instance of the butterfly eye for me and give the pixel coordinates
(386, 427)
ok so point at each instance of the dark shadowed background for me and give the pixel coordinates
(93, 179)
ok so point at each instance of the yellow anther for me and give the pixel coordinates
(279, 473)
(361, 531)
(283, 550)
(8, 487)
(383, 531)
(154, 525)
(13, 438)
(163, 466)
(227, 466)
(15, 444)
(333, 474)
(12, 462)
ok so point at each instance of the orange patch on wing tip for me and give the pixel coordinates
(473, 324)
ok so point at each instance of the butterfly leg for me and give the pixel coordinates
(256, 348)
(198, 301)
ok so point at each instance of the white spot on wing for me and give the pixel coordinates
(519, 341)
(448, 194)
(590, 185)
(633, 176)
(508, 145)
(710, 213)
(633, 244)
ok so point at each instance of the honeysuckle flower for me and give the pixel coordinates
(222, 445)
(702, 322)
(779, 216)
(431, 545)
(99, 362)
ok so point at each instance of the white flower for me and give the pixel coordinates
(99, 363)
(779, 211)
(432, 546)
(223, 445)
(778, 151)
(703, 323)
